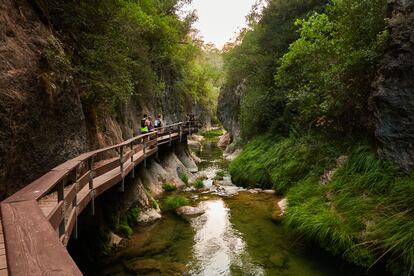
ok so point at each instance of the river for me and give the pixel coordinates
(235, 236)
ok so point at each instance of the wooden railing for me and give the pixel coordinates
(39, 219)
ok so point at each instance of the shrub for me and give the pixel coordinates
(174, 202)
(125, 230)
(169, 187)
(198, 183)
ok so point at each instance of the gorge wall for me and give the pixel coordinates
(393, 96)
(43, 121)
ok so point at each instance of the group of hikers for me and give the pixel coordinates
(147, 125)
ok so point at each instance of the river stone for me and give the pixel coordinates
(271, 192)
(115, 239)
(194, 146)
(252, 191)
(148, 216)
(190, 211)
(278, 260)
(283, 205)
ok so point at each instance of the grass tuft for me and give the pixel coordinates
(173, 202)
(198, 183)
(169, 187)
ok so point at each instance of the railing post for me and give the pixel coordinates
(169, 133)
(91, 189)
(74, 203)
(132, 159)
(145, 151)
(180, 131)
(156, 137)
(121, 165)
(61, 197)
(189, 128)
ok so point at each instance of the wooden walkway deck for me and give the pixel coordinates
(38, 221)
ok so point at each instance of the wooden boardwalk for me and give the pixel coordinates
(38, 221)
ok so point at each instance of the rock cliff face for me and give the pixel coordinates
(228, 108)
(393, 97)
(41, 118)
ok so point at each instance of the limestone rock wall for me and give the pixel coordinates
(393, 96)
(41, 119)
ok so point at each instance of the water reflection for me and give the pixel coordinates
(218, 247)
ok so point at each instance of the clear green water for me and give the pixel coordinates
(235, 236)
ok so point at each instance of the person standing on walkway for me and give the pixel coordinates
(158, 121)
(144, 124)
(150, 124)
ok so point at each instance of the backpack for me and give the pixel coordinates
(158, 123)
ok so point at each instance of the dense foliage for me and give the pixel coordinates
(138, 49)
(308, 65)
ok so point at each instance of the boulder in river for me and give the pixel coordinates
(224, 140)
(190, 211)
(148, 216)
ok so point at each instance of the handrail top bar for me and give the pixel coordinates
(44, 184)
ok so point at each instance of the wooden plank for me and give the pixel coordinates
(3, 262)
(38, 188)
(83, 199)
(83, 180)
(68, 165)
(32, 246)
(70, 195)
(70, 223)
(106, 166)
(56, 216)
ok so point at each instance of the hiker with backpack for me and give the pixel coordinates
(158, 122)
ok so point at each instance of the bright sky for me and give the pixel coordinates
(220, 20)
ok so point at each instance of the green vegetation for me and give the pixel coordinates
(364, 213)
(278, 163)
(184, 177)
(220, 173)
(212, 133)
(169, 187)
(127, 222)
(173, 202)
(125, 50)
(198, 183)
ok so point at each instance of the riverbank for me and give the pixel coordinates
(227, 230)
(341, 196)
